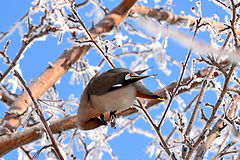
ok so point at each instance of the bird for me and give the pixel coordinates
(111, 91)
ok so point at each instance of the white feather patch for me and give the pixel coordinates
(117, 85)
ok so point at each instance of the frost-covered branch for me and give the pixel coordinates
(50, 76)
(157, 130)
(90, 36)
(200, 98)
(15, 140)
(215, 132)
(40, 114)
(181, 20)
(188, 83)
(184, 67)
(144, 42)
(213, 114)
(18, 139)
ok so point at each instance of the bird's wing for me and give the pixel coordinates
(101, 84)
(111, 80)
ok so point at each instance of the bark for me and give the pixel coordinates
(50, 76)
(184, 21)
(16, 139)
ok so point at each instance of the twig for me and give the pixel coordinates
(90, 35)
(180, 78)
(234, 90)
(212, 117)
(224, 151)
(24, 149)
(198, 103)
(162, 140)
(62, 64)
(24, 46)
(3, 53)
(185, 110)
(201, 95)
(39, 112)
(35, 157)
(87, 151)
(14, 27)
(233, 24)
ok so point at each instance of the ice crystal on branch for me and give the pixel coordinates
(206, 94)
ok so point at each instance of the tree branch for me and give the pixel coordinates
(185, 21)
(213, 114)
(40, 85)
(15, 140)
(40, 114)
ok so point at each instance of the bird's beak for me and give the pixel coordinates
(142, 77)
(161, 99)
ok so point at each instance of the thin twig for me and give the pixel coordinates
(13, 27)
(184, 111)
(90, 35)
(23, 48)
(24, 149)
(201, 96)
(233, 24)
(35, 157)
(40, 114)
(3, 53)
(180, 78)
(87, 151)
(162, 140)
(224, 151)
(212, 117)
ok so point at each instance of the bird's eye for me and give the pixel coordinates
(128, 76)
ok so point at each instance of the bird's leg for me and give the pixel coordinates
(102, 119)
(113, 119)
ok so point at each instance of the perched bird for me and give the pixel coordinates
(111, 91)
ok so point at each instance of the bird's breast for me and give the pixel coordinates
(116, 100)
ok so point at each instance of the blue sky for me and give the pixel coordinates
(37, 57)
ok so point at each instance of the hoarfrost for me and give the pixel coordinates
(151, 149)
(234, 130)
(198, 46)
(181, 103)
(96, 11)
(199, 7)
(13, 83)
(142, 132)
(119, 38)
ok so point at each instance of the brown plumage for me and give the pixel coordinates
(111, 91)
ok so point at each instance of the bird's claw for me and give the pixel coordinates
(102, 119)
(113, 119)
